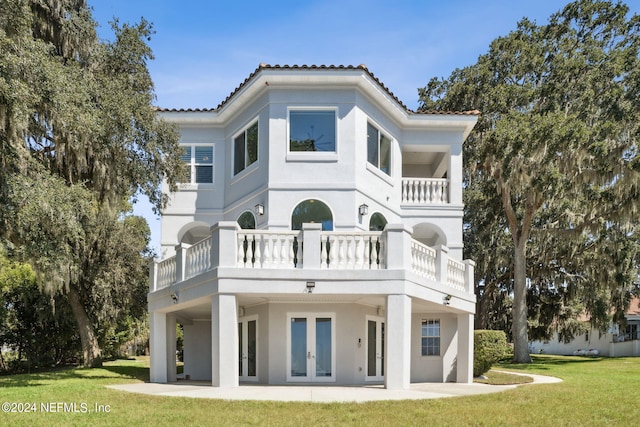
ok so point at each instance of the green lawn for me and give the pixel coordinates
(595, 392)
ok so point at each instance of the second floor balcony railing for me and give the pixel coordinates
(338, 250)
(425, 191)
(311, 248)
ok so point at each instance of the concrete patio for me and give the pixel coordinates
(293, 393)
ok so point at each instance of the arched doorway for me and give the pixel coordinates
(377, 222)
(247, 221)
(314, 211)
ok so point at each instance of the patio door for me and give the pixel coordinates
(248, 348)
(375, 349)
(311, 347)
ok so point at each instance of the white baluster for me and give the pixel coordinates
(284, 251)
(366, 254)
(348, 249)
(404, 191)
(323, 251)
(358, 244)
(240, 250)
(438, 196)
(333, 252)
(290, 263)
(267, 252)
(410, 184)
(373, 253)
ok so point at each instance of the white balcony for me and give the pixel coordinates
(425, 191)
(313, 249)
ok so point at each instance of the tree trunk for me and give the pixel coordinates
(90, 347)
(519, 328)
(483, 305)
(520, 234)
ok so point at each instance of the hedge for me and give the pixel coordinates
(488, 348)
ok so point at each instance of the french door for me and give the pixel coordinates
(248, 348)
(375, 349)
(311, 347)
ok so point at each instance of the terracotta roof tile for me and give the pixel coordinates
(363, 67)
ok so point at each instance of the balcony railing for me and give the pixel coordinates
(338, 250)
(423, 191)
(268, 249)
(311, 248)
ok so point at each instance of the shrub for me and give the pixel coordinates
(488, 348)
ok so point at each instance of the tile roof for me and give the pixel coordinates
(316, 67)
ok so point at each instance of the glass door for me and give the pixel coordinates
(248, 348)
(311, 347)
(375, 349)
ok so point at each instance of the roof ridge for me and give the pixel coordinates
(363, 67)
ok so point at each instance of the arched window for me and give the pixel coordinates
(247, 221)
(377, 222)
(312, 211)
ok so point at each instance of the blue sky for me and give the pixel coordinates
(205, 49)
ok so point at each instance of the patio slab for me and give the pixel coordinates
(295, 393)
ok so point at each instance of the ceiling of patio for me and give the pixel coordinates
(202, 311)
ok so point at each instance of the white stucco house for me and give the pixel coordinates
(318, 238)
(620, 340)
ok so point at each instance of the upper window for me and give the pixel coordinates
(312, 130)
(431, 337)
(378, 149)
(245, 149)
(199, 160)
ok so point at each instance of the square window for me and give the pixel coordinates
(199, 159)
(430, 340)
(312, 130)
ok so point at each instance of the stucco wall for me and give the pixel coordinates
(343, 180)
(434, 368)
(350, 326)
(197, 350)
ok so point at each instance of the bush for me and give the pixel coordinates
(488, 348)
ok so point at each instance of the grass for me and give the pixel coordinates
(503, 378)
(595, 392)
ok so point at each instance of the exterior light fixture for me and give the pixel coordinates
(175, 297)
(446, 300)
(310, 287)
(363, 209)
(259, 209)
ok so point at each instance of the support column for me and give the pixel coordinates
(224, 341)
(171, 348)
(465, 349)
(442, 261)
(158, 347)
(398, 237)
(398, 343)
(224, 244)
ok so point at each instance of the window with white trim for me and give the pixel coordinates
(378, 149)
(199, 160)
(245, 149)
(430, 337)
(312, 130)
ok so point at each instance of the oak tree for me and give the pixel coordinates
(555, 152)
(78, 138)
